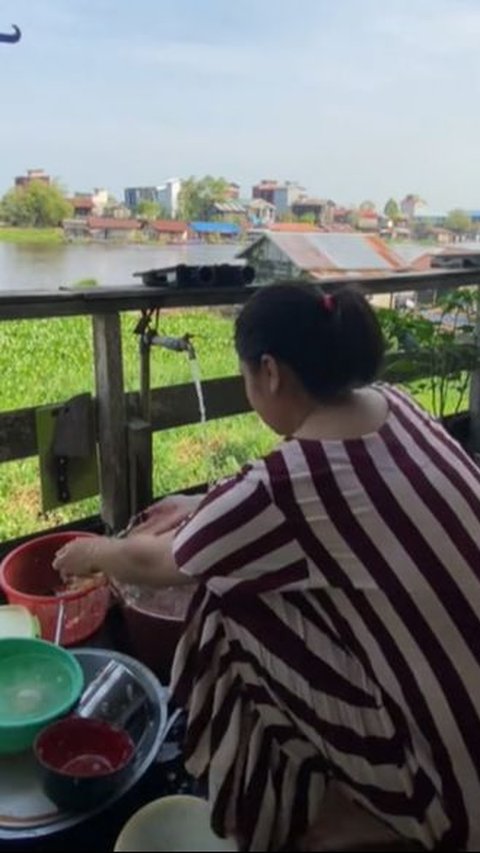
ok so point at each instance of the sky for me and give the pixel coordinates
(355, 99)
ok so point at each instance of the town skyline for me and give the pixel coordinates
(235, 192)
(360, 101)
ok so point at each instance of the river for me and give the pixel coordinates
(48, 267)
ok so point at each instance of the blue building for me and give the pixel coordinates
(215, 229)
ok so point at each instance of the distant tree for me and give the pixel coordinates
(392, 210)
(307, 218)
(366, 206)
(151, 210)
(458, 221)
(37, 205)
(353, 218)
(286, 216)
(197, 197)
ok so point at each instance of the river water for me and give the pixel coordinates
(44, 267)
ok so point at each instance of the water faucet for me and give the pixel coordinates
(182, 344)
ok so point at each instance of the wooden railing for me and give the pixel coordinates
(123, 432)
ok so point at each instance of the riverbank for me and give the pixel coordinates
(53, 236)
(56, 236)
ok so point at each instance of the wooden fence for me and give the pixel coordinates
(124, 429)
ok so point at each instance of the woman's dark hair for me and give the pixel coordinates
(332, 343)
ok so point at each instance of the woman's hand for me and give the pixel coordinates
(144, 560)
(81, 557)
(167, 515)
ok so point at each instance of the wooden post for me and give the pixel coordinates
(475, 392)
(111, 413)
(140, 464)
(145, 392)
(140, 439)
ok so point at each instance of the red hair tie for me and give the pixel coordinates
(328, 302)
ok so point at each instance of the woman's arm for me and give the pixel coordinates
(166, 514)
(144, 559)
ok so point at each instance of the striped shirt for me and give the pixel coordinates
(336, 633)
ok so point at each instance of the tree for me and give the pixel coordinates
(197, 197)
(367, 206)
(353, 218)
(458, 221)
(37, 205)
(150, 210)
(392, 210)
(304, 219)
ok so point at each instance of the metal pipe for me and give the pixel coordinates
(145, 394)
(183, 344)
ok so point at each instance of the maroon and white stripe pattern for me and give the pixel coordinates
(336, 632)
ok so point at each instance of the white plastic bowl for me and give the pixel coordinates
(172, 824)
(16, 621)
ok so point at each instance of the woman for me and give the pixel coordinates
(334, 635)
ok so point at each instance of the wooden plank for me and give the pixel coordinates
(178, 405)
(171, 406)
(16, 304)
(111, 420)
(18, 434)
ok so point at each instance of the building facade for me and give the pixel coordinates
(134, 195)
(38, 175)
(233, 192)
(297, 251)
(281, 195)
(261, 213)
(320, 209)
(166, 195)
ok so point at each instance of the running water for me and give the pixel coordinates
(171, 602)
(197, 381)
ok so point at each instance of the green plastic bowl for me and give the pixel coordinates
(39, 683)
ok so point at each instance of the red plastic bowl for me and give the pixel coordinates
(27, 577)
(83, 761)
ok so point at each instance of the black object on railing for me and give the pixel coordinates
(11, 38)
(186, 277)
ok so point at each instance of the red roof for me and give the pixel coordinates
(337, 228)
(303, 227)
(266, 185)
(422, 263)
(341, 228)
(169, 226)
(108, 223)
